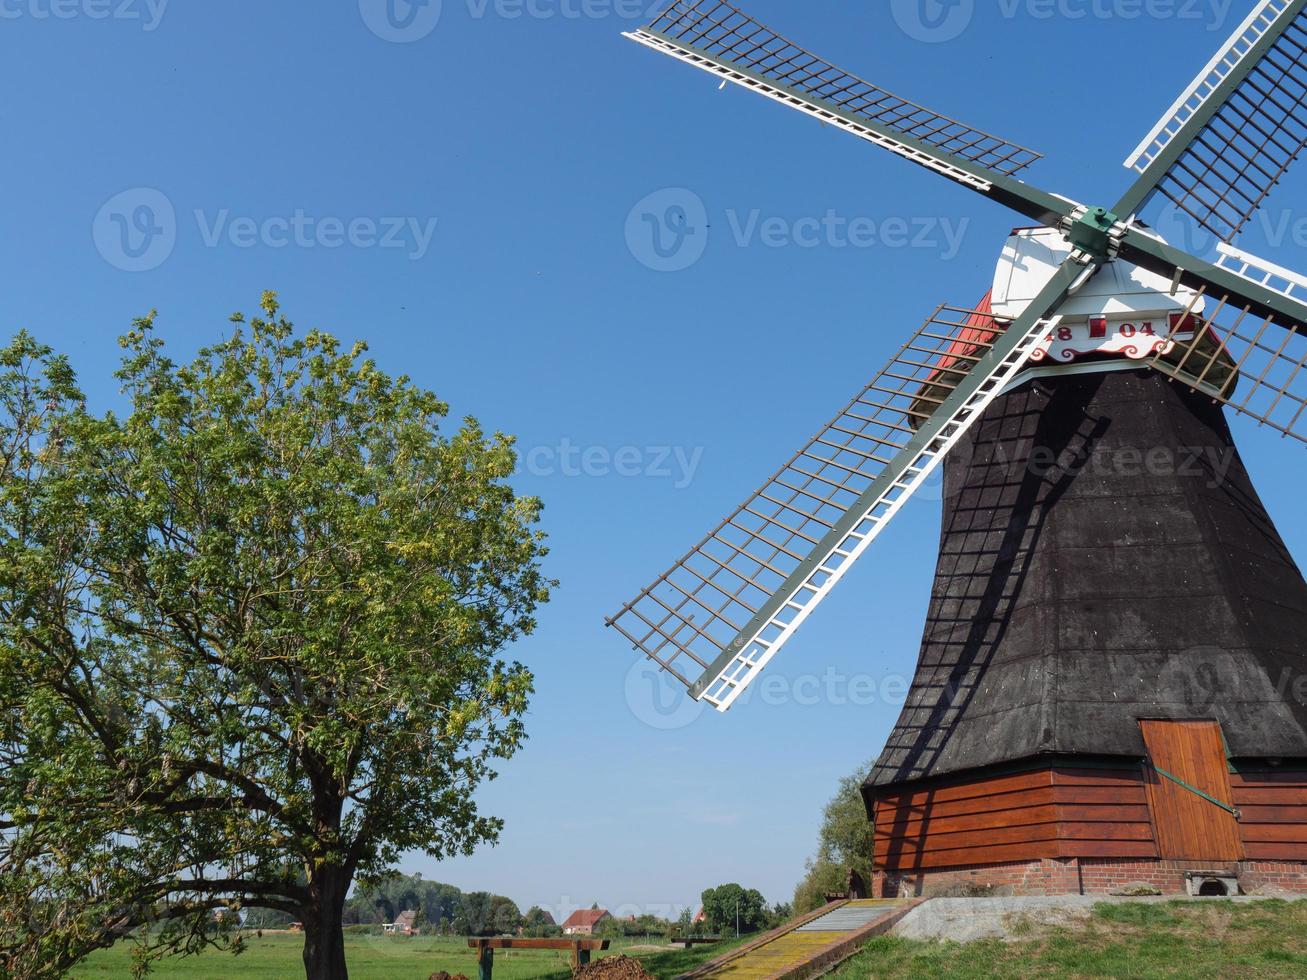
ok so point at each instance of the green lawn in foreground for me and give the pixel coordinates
(1138, 940)
(277, 955)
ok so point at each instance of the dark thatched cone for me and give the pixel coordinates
(1104, 558)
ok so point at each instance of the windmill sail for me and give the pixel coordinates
(1234, 133)
(732, 602)
(719, 38)
(1245, 361)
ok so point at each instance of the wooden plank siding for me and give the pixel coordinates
(1066, 812)
(1273, 814)
(1045, 813)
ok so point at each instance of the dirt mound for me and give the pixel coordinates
(618, 967)
(442, 975)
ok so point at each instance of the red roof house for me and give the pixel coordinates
(582, 922)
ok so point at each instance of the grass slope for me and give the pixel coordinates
(1136, 940)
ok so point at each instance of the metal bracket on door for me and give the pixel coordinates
(1194, 789)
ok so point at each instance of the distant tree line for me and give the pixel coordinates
(443, 908)
(439, 907)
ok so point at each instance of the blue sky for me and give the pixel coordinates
(466, 194)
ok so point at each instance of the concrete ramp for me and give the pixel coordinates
(809, 945)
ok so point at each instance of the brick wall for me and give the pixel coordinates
(1087, 876)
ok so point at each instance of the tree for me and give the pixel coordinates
(820, 878)
(724, 905)
(252, 638)
(381, 902)
(846, 841)
(683, 926)
(539, 924)
(484, 914)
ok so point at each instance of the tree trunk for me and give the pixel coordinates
(324, 937)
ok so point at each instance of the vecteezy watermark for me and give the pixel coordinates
(1269, 228)
(667, 231)
(933, 21)
(660, 701)
(833, 230)
(137, 230)
(400, 21)
(405, 21)
(302, 230)
(676, 463)
(938, 21)
(1209, 675)
(147, 13)
(1209, 464)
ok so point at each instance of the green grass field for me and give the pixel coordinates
(277, 955)
(1136, 940)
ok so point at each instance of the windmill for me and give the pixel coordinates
(1110, 686)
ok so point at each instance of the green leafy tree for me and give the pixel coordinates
(539, 924)
(683, 926)
(846, 841)
(722, 904)
(820, 878)
(484, 914)
(382, 901)
(251, 638)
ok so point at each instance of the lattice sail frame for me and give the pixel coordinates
(1247, 362)
(815, 516)
(1233, 134)
(689, 29)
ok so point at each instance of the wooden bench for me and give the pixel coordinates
(581, 950)
(687, 941)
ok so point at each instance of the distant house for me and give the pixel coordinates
(404, 924)
(582, 922)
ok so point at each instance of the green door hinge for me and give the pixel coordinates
(1195, 790)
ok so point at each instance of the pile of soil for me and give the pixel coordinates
(442, 975)
(618, 967)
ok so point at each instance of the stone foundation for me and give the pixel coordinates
(1086, 876)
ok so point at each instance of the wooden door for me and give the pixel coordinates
(1189, 827)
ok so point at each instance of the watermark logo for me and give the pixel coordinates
(401, 21)
(299, 229)
(147, 13)
(136, 230)
(566, 459)
(836, 231)
(933, 21)
(1271, 228)
(658, 699)
(667, 231)
(938, 21)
